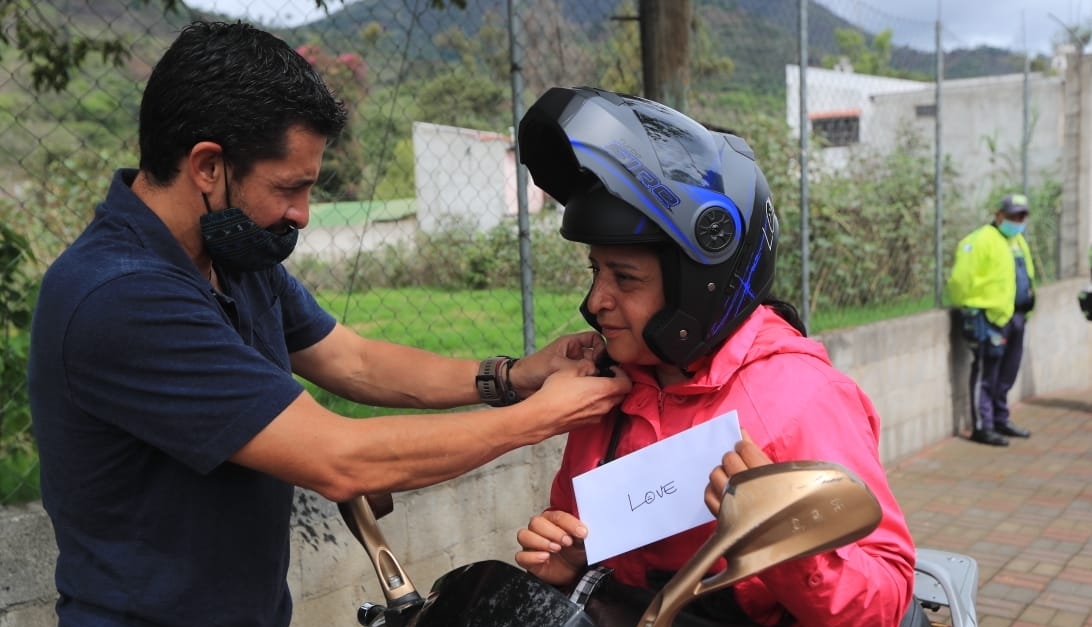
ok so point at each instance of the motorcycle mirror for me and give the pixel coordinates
(771, 514)
(381, 504)
(397, 587)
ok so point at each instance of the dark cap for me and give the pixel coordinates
(1014, 204)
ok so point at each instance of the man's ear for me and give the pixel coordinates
(205, 167)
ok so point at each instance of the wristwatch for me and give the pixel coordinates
(492, 389)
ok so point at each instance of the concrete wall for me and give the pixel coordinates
(917, 370)
(914, 368)
(982, 125)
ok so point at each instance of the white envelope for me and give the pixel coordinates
(655, 492)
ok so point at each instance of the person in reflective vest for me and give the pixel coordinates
(993, 283)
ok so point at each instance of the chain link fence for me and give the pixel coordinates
(416, 231)
(884, 213)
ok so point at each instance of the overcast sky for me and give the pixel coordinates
(1012, 24)
(275, 12)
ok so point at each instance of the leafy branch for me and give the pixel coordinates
(54, 51)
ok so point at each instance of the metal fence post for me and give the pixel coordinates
(805, 296)
(525, 273)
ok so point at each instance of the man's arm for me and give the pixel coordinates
(961, 277)
(375, 372)
(340, 458)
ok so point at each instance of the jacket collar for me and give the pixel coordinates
(762, 334)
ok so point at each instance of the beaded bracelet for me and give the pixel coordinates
(507, 391)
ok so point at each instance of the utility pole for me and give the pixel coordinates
(1068, 254)
(938, 171)
(1025, 136)
(665, 51)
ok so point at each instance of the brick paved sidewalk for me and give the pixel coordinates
(1024, 512)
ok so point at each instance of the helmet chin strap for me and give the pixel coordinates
(670, 266)
(656, 326)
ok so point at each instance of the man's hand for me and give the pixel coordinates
(573, 397)
(553, 547)
(530, 372)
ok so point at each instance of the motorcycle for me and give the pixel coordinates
(947, 581)
(1084, 297)
(820, 506)
(1084, 300)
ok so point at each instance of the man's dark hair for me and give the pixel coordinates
(235, 85)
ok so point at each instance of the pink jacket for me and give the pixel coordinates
(796, 406)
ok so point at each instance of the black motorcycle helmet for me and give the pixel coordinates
(632, 171)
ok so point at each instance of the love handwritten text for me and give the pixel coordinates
(652, 495)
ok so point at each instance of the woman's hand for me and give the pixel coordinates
(553, 547)
(746, 455)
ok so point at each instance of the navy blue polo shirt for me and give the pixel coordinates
(143, 381)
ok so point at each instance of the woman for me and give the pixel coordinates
(682, 239)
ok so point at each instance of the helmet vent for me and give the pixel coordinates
(715, 229)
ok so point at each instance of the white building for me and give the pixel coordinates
(467, 174)
(982, 121)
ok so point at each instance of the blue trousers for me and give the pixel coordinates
(993, 375)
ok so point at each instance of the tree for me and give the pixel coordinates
(866, 57)
(347, 76)
(559, 47)
(620, 55)
(706, 62)
(51, 48)
(54, 51)
(1077, 36)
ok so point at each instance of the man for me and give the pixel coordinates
(170, 426)
(992, 280)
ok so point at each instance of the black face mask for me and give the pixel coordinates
(235, 242)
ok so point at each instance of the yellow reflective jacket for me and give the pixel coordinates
(984, 273)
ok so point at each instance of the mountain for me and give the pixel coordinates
(759, 36)
(964, 63)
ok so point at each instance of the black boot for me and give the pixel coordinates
(989, 436)
(1011, 430)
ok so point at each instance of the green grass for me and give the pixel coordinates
(468, 324)
(828, 319)
(456, 323)
(345, 212)
(475, 324)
